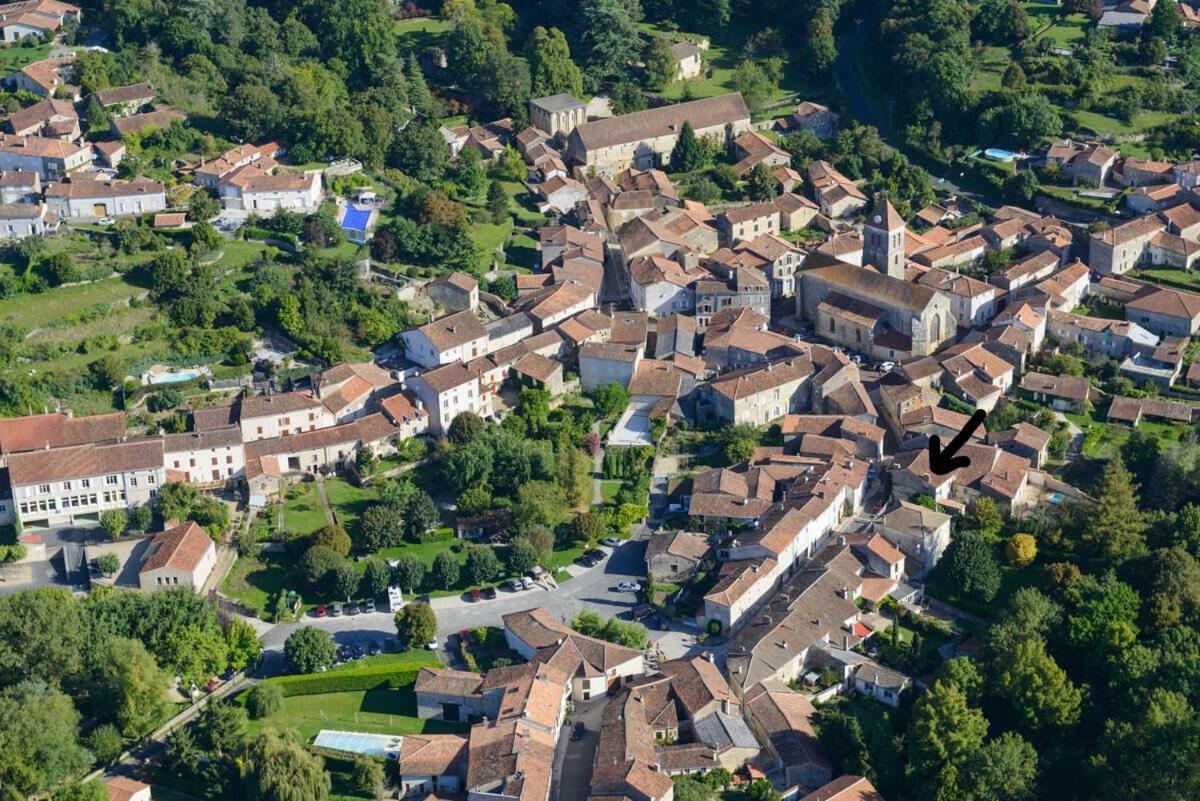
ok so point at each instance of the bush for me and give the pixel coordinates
(264, 700)
(113, 521)
(105, 742)
(384, 677)
(714, 627)
(1021, 550)
(334, 538)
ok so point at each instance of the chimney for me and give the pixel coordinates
(845, 642)
(841, 540)
(709, 656)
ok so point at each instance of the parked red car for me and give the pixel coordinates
(321, 610)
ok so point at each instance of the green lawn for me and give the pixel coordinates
(303, 511)
(13, 57)
(1063, 32)
(1109, 126)
(1184, 279)
(348, 502)
(414, 35)
(1099, 310)
(520, 204)
(255, 582)
(26, 311)
(522, 253)
(378, 711)
(990, 67)
(724, 54)
(490, 238)
(609, 488)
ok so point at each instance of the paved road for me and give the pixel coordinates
(573, 759)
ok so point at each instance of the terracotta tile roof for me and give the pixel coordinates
(1075, 388)
(555, 299)
(1141, 228)
(742, 384)
(677, 543)
(125, 94)
(179, 548)
(160, 118)
(279, 403)
(58, 430)
(87, 188)
(84, 461)
(663, 121)
(1022, 433)
(537, 366)
(228, 437)
(39, 146)
(845, 788)
(786, 718)
(370, 429)
(123, 788)
(216, 416)
(1167, 302)
(884, 550)
(432, 755)
(698, 683)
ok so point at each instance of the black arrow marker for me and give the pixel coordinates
(941, 461)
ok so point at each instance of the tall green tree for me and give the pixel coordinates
(609, 42)
(1114, 526)
(945, 732)
(550, 66)
(39, 738)
(969, 565)
(416, 625)
(661, 64)
(841, 738)
(130, 685)
(277, 767)
(689, 153)
(1004, 769)
(41, 637)
(755, 84)
(1037, 690)
(309, 649)
(445, 570)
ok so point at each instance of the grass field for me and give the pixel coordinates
(1171, 275)
(13, 57)
(609, 488)
(348, 502)
(1062, 31)
(724, 54)
(256, 581)
(1109, 126)
(29, 312)
(377, 711)
(414, 35)
(303, 511)
(990, 67)
(1108, 443)
(490, 238)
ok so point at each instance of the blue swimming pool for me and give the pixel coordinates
(356, 219)
(999, 154)
(379, 745)
(1056, 497)
(176, 378)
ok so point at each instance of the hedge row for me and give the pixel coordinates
(626, 461)
(386, 677)
(252, 232)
